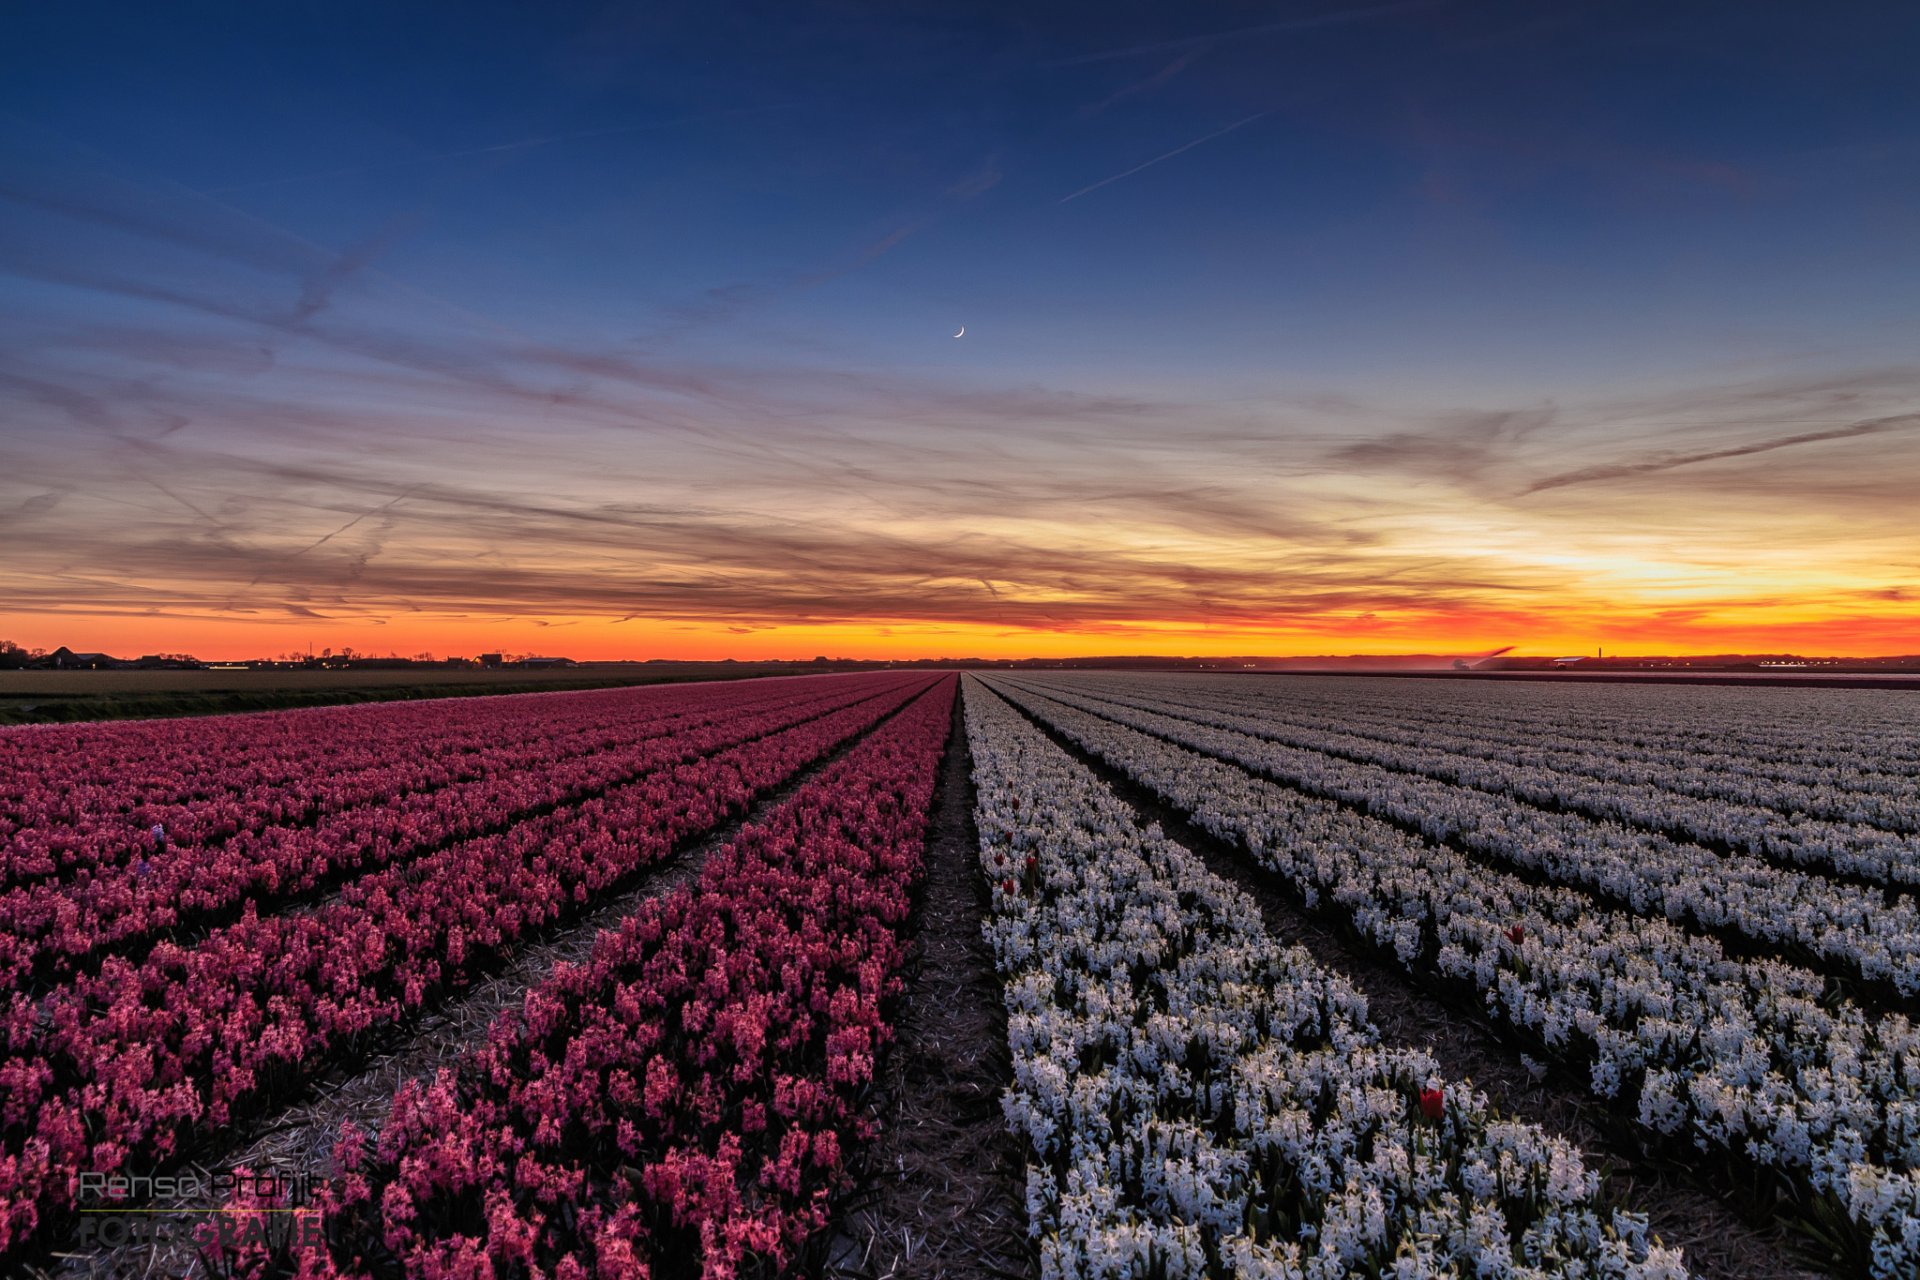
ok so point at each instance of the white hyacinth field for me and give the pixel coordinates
(1688, 909)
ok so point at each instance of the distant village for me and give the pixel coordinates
(14, 657)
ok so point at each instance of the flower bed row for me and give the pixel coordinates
(85, 793)
(80, 799)
(1828, 775)
(1736, 1058)
(1857, 740)
(1542, 768)
(117, 1067)
(692, 1091)
(1852, 930)
(1200, 1101)
(52, 929)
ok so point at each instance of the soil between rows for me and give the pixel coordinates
(298, 1137)
(941, 1189)
(1683, 1204)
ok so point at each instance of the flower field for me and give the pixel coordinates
(691, 1089)
(1604, 948)
(119, 1064)
(1197, 1097)
(1689, 907)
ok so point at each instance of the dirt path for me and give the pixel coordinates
(1685, 1209)
(943, 1188)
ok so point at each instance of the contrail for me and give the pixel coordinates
(1622, 471)
(1217, 133)
(364, 515)
(183, 502)
(1290, 24)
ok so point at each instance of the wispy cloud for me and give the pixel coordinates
(1144, 85)
(1670, 461)
(1162, 158)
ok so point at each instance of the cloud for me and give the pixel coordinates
(28, 509)
(317, 290)
(1165, 156)
(1146, 84)
(1467, 449)
(709, 565)
(979, 182)
(1668, 462)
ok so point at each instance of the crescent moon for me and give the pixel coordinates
(962, 333)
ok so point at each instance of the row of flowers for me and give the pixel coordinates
(1858, 739)
(49, 930)
(1803, 826)
(76, 799)
(1198, 1100)
(691, 1092)
(1735, 1057)
(1822, 773)
(119, 1067)
(1852, 930)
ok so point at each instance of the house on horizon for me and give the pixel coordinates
(65, 659)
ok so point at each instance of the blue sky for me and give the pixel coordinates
(1274, 231)
(1449, 179)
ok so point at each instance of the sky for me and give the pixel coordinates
(616, 330)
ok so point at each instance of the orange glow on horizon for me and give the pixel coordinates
(1621, 633)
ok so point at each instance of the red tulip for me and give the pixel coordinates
(1433, 1103)
(1516, 934)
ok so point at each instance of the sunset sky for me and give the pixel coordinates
(625, 330)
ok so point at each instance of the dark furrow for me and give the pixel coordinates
(940, 1191)
(1721, 1240)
